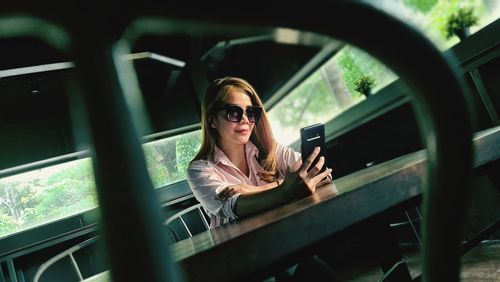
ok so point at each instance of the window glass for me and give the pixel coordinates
(431, 16)
(43, 195)
(333, 88)
(168, 159)
(37, 197)
(329, 91)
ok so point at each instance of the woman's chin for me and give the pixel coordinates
(242, 139)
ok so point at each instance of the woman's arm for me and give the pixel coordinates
(300, 181)
(248, 204)
(246, 189)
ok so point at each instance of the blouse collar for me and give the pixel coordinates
(218, 156)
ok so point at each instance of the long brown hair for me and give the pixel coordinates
(262, 135)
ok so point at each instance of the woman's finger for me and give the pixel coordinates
(316, 168)
(310, 160)
(329, 176)
(324, 182)
(321, 176)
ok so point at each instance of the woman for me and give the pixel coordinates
(241, 170)
(239, 164)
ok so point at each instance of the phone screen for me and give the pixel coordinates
(311, 137)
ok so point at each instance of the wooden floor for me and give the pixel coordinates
(480, 264)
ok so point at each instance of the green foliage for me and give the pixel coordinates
(7, 224)
(17, 199)
(444, 9)
(364, 84)
(356, 63)
(28, 201)
(423, 6)
(351, 70)
(68, 190)
(458, 21)
(168, 159)
(304, 104)
(156, 169)
(67, 194)
(80, 170)
(187, 147)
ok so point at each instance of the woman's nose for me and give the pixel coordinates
(244, 118)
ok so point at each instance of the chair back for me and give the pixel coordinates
(66, 254)
(181, 224)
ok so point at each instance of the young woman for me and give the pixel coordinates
(240, 169)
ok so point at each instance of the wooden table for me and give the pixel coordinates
(238, 250)
(255, 244)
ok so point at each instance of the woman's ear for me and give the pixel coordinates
(212, 122)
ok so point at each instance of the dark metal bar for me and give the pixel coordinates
(12, 270)
(482, 235)
(387, 252)
(138, 246)
(483, 94)
(410, 221)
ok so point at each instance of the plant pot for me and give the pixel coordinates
(463, 33)
(367, 93)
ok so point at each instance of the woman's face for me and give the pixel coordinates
(234, 133)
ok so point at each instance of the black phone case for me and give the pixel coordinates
(311, 137)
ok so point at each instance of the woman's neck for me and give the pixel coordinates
(236, 154)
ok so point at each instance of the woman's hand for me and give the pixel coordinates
(302, 179)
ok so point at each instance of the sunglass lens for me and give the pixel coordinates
(253, 114)
(234, 114)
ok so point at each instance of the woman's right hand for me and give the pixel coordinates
(302, 179)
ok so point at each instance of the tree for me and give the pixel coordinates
(7, 224)
(18, 199)
(166, 154)
(350, 69)
(67, 191)
(332, 74)
(302, 107)
(167, 159)
(187, 147)
(421, 5)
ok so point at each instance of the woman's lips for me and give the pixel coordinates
(242, 131)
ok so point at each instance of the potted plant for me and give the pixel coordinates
(364, 85)
(459, 23)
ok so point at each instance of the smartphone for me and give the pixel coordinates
(311, 137)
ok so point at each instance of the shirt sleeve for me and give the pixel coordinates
(285, 156)
(206, 184)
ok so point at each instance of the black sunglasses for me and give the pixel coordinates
(235, 113)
